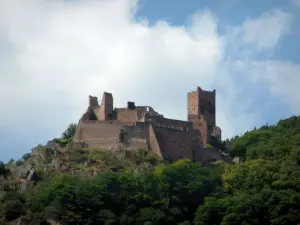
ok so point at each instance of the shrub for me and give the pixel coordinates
(12, 209)
(26, 156)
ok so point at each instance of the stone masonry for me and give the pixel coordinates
(105, 127)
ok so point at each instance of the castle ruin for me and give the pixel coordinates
(133, 127)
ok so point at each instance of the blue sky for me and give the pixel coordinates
(53, 54)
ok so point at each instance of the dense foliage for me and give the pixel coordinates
(263, 189)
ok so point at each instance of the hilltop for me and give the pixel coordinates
(68, 185)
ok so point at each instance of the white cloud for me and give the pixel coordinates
(296, 3)
(258, 35)
(282, 79)
(266, 31)
(56, 53)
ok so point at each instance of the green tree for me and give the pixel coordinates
(5, 172)
(70, 131)
(26, 156)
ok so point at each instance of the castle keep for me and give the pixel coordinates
(105, 127)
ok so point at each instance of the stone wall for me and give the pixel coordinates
(202, 111)
(127, 116)
(114, 144)
(207, 102)
(105, 110)
(217, 132)
(93, 101)
(103, 143)
(170, 123)
(139, 130)
(153, 142)
(208, 155)
(200, 124)
(177, 144)
(105, 134)
(193, 103)
(87, 130)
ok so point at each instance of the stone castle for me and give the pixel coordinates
(105, 127)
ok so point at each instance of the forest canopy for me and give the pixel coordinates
(262, 189)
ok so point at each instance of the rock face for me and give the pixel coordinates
(19, 171)
(32, 175)
(25, 172)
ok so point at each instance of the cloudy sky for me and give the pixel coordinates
(54, 53)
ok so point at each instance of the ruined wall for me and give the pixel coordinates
(153, 142)
(105, 135)
(93, 101)
(88, 114)
(217, 132)
(202, 126)
(207, 102)
(202, 112)
(114, 144)
(177, 144)
(99, 112)
(147, 110)
(130, 116)
(103, 143)
(170, 123)
(104, 112)
(127, 116)
(97, 129)
(193, 103)
(208, 155)
(137, 143)
(203, 103)
(139, 130)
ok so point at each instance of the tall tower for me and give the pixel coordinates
(202, 112)
(106, 107)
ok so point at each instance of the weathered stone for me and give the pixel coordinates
(56, 162)
(52, 144)
(32, 176)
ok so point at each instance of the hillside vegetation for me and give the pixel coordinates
(91, 187)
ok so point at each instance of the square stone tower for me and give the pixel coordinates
(202, 112)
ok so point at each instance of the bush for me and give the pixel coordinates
(78, 155)
(12, 209)
(19, 162)
(26, 156)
